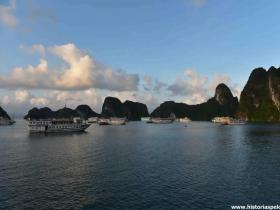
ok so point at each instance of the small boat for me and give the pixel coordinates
(184, 120)
(103, 121)
(162, 120)
(57, 125)
(112, 121)
(117, 121)
(6, 121)
(92, 120)
(145, 119)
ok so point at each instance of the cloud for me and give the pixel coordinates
(37, 48)
(78, 71)
(21, 96)
(7, 16)
(194, 87)
(191, 82)
(153, 85)
(40, 101)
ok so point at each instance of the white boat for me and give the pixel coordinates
(184, 120)
(117, 121)
(57, 125)
(220, 119)
(162, 120)
(145, 119)
(228, 121)
(112, 121)
(6, 121)
(92, 120)
(103, 121)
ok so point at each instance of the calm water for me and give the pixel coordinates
(141, 166)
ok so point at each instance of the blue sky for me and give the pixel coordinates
(159, 39)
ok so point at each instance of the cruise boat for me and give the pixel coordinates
(57, 125)
(6, 121)
(112, 121)
(162, 120)
(228, 121)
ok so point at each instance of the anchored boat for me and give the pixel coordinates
(112, 121)
(184, 120)
(57, 125)
(162, 120)
(228, 121)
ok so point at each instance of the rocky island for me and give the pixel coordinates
(260, 98)
(83, 111)
(4, 114)
(133, 111)
(222, 104)
(259, 101)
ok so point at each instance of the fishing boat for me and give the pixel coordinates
(57, 125)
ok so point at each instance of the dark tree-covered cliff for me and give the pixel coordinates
(4, 114)
(222, 104)
(260, 98)
(113, 107)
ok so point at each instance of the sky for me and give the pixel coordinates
(68, 52)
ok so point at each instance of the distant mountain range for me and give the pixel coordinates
(259, 101)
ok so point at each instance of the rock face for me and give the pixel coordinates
(42, 113)
(222, 104)
(113, 107)
(260, 98)
(66, 113)
(135, 110)
(4, 114)
(86, 112)
(82, 111)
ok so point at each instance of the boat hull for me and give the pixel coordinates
(162, 121)
(58, 129)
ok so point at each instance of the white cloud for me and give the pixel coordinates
(40, 101)
(6, 101)
(81, 72)
(21, 96)
(194, 87)
(37, 48)
(30, 77)
(7, 16)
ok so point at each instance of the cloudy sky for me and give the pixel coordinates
(72, 52)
